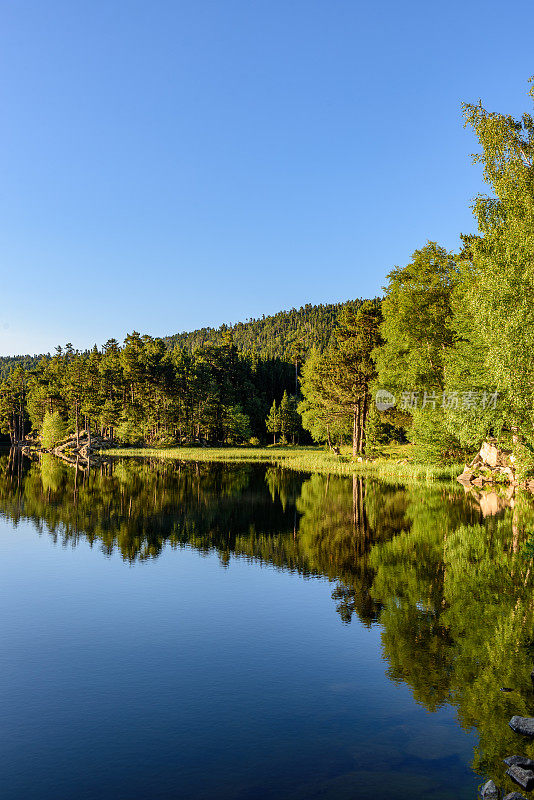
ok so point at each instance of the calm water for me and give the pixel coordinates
(209, 631)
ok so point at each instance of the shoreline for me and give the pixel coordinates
(304, 459)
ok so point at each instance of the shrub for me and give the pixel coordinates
(53, 431)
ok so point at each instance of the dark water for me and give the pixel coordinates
(210, 631)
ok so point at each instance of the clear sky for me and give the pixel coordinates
(167, 165)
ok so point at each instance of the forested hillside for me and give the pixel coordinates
(211, 385)
(281, 335)
(8, 364)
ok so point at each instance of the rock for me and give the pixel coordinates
(522, 725)
(507, 472)
(493, 456)
(489, 454)
(465, 477)
(488, 466)
(523, 777)
(514, 796)
(519, 761)
(489, 791)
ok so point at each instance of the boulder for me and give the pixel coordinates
(491, 455)
(489, 791)
(507, 472)
(519, 761)
(514, 796)
(523, 777)
(522, 725)
(490, 465)
(466, 476)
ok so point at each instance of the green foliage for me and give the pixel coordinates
(319, 416)
(499, 291)
(417, 327)
(380, 430)
(236, 425)
(127, 432)
(143, 393)
(289, 418)
(53, 431)
(272, 423)
(434, 443)
(288, 336)
(336, 385)
(205, 386)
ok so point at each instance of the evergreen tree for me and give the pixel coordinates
(341, 380)
(272, 423)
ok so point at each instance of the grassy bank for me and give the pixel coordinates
(396, 461)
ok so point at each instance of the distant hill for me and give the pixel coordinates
(8, 364)
(274, 336)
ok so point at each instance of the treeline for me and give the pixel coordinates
(142, 392)
(287, 335)
(9, 363)
(211, 385)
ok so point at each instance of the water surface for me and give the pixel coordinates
(201, 631)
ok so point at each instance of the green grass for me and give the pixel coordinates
(394, 462)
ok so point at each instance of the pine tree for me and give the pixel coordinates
(272, 422)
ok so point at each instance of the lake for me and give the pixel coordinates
(200, 631)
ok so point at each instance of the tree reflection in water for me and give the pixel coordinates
(452, 590)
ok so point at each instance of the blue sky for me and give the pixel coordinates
(167, 165)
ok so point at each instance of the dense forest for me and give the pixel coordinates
(287, 336)
(9, 363)
(449, 345)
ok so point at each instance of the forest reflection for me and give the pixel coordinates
(451, 589)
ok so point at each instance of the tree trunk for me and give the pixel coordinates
(355, 430)
(362, 424)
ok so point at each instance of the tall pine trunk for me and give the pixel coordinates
(355, 430)
(363, 420)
